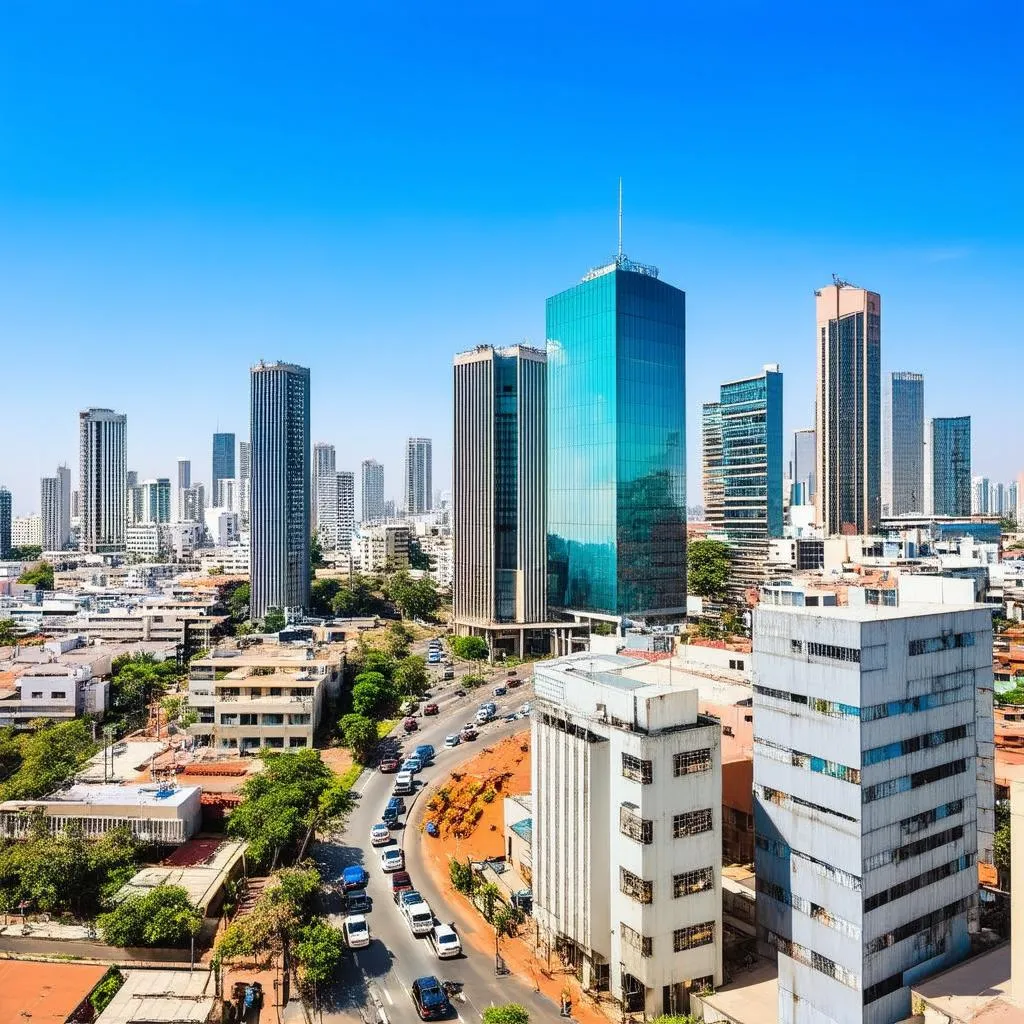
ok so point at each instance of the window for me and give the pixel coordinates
(914, 849)
(832, 652)
(58, 695)
(632, 938)
(936, 874)
(692, 823)
(926, 818)
(915, 743)
(635, 888)
(297, 741)
(637, 770)
(933, 644)
(796, 646)
(693, 936)
(920, 924)
(37, 694)
(247, 719)
(691, 762)
(632, 825)
(691, 882)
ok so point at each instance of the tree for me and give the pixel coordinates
(316, 554)
(136, 679)
(396, 640)
(8, 632)
(415, 599)
(40, 577)
(418, 558)
(461, 875)
(274, 621)
(371, 695)
(164, 916)
(25, 553)
(411, 676)
(489, 895)
(731, 623)
(318, 950)
(510, 1013)
(707, 568)
(1008, 524)
(470, 648)
(360, 736)
(321, 596)
(378, 661)
(355, 598)
(238, 602)
(49, 756)
(602, 629)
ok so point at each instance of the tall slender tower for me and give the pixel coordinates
(419, 480)
(373, 490)
(5, 522)
(711, 438)
(903, 445)
(951, 465)
(803, 472)
(849, 341)
(279, 509)
(184, 483)
(244, 480)
(323, 469)
(103, 473)
(223, 464)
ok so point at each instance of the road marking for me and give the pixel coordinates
(387, 996)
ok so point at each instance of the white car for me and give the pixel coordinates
(380, 835)
(357, 931)
(420, 918)
(526, 708)
(451, 740)
(392, 860)
(445, 942)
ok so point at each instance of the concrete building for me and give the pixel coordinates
(55, 509)
(336, 510)
(156, 500)
(323, 467)
(383, 548)
(980, 493)
(713, 473)
(5, 523)
(627, 831)
(950, 451)
(903, 444)
(227, 560)
(849, 341)
(279, 515)
(184, 483)
(244, 481)
(802, 472)
(223, 465)
(372, 491)
(103, 480)
(54, 691)
(27, 531)
(188, 626)
(145, 541)
(160, 996)
(866, 800)
(419, 476)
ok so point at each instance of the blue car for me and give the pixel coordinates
(425, 752)
(354, 877)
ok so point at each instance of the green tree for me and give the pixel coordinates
(510, 1013)
(371, 695)
(414, 599)
(489, 896)
(316, 554)
(318, 950)
(49, 756)
(708, 568)
(461, 875)
(731, 623)
(602, 629)
(469, 648)
(164, 916)
(360, 736)
(274, 621)
(378, 661)
(8, 632)
(396, 640)
(321, 596)
(411, 676)
(105, 991)
(25, 553)
(418, 558)
(1008, 524)
(137, 679)
(238, 602)
(40, 576)
(355, 598)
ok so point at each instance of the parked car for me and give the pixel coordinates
(460, 693)
(409, 725)
(525, 709)
(513, 683)
(490, 706)
(358, 902)
(408, 707)
(431, 709)
(469, 733)
(404, 784)
(354, 877)
(434, 658)
(412, 765)
(449, 673)
(380, 835)
(400, 882)
(445, 942)
(392, 859)
(407, 897)
(429, 999)
(357, 931)
(425, 753)
(397, 803)
(389, 765)
(451, 740)
(499, 691)
(483, 717)
(420, 918)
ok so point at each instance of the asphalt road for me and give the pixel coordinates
(385, 971)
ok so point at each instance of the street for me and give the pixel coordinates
(385, 971)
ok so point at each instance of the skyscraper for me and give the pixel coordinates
(64, 481)
(711, 450)
(103, 474)
(279, 500)
(980, 496)
(849, 340)
(156, 500)
(951, 465)
(244, 481)
(903, 445)
(419, 482)
(499, 501)
(323, 467)
(616, 346)
(5, 523)
(373, 490)
(184, 483)
(802, 471)
(223, 464)
(133, 502)
(55, 509)
(336, 504)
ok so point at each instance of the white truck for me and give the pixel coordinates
(420, 918)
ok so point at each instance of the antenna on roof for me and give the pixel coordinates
(620, 219)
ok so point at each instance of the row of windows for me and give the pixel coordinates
(782, 851)
(812, 910)
(689, 762)
(830, 708)
(914, 849)
(830, 651)
(912, 705)
(635, 887)
(933, 644)
(810, 762)
(926, 818)
(780, 799)
(919, 924)
(905, 783)
(812, 959)
(693, 936)
(689, 883)
(936, 874)
(915, 743)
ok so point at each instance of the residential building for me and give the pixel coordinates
(323, 466)
(373, 491)
(55, 509)
(229, 560)
(389, 509)
(950, 451)
(617, 445)
(184, 483)
(903, 444)
(803, 470)
(133, 499)
(103, 479)
(244, 480)
(144, 541)
(980, 493)
(279, 503)
(156, 500)
(866, 800)
(193, 504)
(713, 471)
(627, 831)
(223, 464)
(223, 527)
(187, 625)
(53, 691)
(499, 483)
(1011, 501)
(5, 523)
(336, 502)
(384, 548)
(419, 480)
(182, 539)
(849, 341)
(27, 531)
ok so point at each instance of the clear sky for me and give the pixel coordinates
(366, 189)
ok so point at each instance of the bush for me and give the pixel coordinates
(469, 648)
(105, 991)
(461, 875)
(165, 916)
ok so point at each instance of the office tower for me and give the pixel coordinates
(103, 476)
(193, 504)
(802, 472)
(156, 500)
(64, 482)
(627, 830)
(373, 490)
(75, 510)
(184, 483)
(279, 498)
(389, 509)
(751, 419)
(951, 465)
(5, 523)
(997, 499)
(336, 502)
(848, 409)
(617, 444)
(323, 467)
(980, 496)
(712, 475)
(1012, 501)
(133, 499)
(55, 509)
(499, 483)
(866, 806)
(419, 484)
(903, 444)
(244, 478)
(223, 464)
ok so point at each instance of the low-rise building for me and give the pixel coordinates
(190, 627)
(228, 560)
(56, 691)
(383, 548)
(156, 996)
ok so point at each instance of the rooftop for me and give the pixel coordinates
(977, 989)
(48, 992)
(875, 613)
(524, 829)
(162, 997)
(103, 794)
(202, 880)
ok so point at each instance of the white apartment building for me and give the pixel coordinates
(144, 540)
(336, 510)
(627, 830)
(27, 531)
(383, 547)
(223, 526)
(231, 560)
(866, 800)
(54, 691)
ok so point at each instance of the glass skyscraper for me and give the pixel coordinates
(951, 466)
(903, 445)
(711, 437)
(616, 345)
(223, 463)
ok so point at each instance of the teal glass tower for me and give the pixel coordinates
(616, 345)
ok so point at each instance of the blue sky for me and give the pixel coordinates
(188, 187)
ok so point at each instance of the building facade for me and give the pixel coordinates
(156, 500)
(372, 491)
(384, 548)
(616, 346)
(184, 483)
(279, 511)
(223, 464)
(5, 523)
(866, 800)
(803, 471)
(419, 476)
(336, 516)
(103, 479)
(244, 480)
(950, 451)
(55, 509)
(903, 445)
(711, 464)
(981, 497)
(324, 456)
(27, 531)
(849, 399)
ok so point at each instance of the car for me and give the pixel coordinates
(408, 707)
(434, 658)
(412, 765)
(513, 683)
(490, 706)
(420, 918)
(445, 942)
(449, 673)
(469, 733)
(380, 835)
(483, 717)
(354, 877)
(400, 882)
(357, 931)
(392, 859)
(512, 673)
(499, 691)
(424, 752)
(389, 765)
(512, 717)
(460, 693)
(397, 803)
(431, 709)
(525, 709)
(451, 740)
(406, 897)
(358, 902)
(429, 999)
(390, 816)
(404, 783)
(409, 725)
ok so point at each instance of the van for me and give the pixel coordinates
(404, 783)
(420, 918)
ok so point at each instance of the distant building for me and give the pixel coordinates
(418, 475)
(980, 493)
(389, 508)
(5, 523)
(53, 691)
(336, 515)
(372, 491)
(903, 445)
(27, 531)
(802, 471)
(193, 504)
(133, 499)
(244, 480)
(103, 479)
(713, 474)
(950, 451)
(156, 500)
(323, 468)
(223, 464)
(384, 548)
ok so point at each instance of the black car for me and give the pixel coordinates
(357, 903)
(431, 1002)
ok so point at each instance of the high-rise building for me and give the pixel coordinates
(950, 451)
(419, 482)
(133, 499)
(713, 473)
(616, 345)
(27, 531)
(193, 504)
(849, 399)
(244, 478)
(1011, 501)
(55, 509)
(499, 488)
(866, 800)
(184, 483)
(64, 481)
(103, 486)
(980, 495)
(389, 509)
(279, 500)
(5, 523)
(373, 491)
(156, 500)
(336, 502)
(223, 464)
(751, 418)
(803, 470)
(903, 444)
(997, 499)
(1020, 502)
(323, 467)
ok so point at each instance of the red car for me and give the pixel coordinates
(431, 709)
(409, 725)
(389, 765)
(400, 882)
(514, 682)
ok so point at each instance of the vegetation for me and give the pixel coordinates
(414, 599)
(471, 680)
(1008, 524)
(731, 623)
(410, 676)
(372, 695)
(707, 568)
(461, 875)
(105, 991)
(356, 598)
(36, 763)
(318, 950)
(316, 554)
(164, 916)
(418, 558)
(321, 594)
(510, 1013)
(41, 577)
(675, 1018)
(137, 679)
(8, 632)
(469, 648)
(359, 734)
(1001, 842)
(1014, 696)
(602, 629)
(274, 621)
(25, 553)
(238, 603)
(396, 640)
